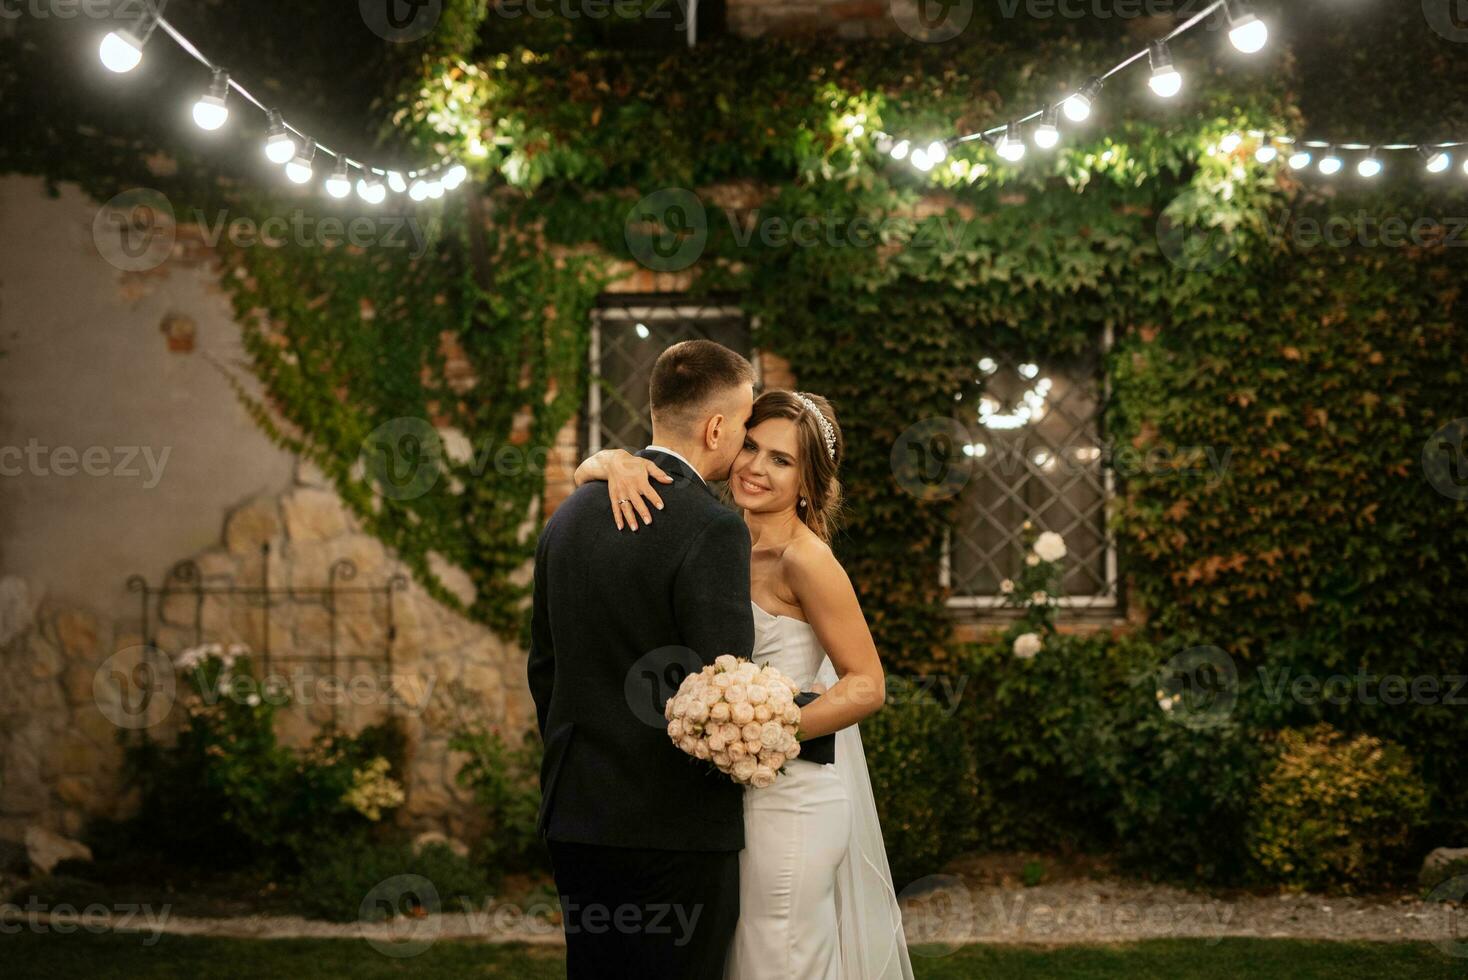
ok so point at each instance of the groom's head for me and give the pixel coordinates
(701, 395)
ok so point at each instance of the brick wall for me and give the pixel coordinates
(849, 19)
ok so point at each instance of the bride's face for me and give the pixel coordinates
(766, 474)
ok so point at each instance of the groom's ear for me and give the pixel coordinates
(713, 431)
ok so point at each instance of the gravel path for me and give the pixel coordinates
(938, 912)
(948, 911)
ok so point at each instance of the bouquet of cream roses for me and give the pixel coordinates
(738, 715)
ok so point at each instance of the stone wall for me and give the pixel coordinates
(105, 359)
(70, 698)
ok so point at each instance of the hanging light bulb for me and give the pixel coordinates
(371, 189)
(884, 144)
(121, 50)
(456, 175)
(920, 160)
(1230, 143)
(1330, 164)
(299, 169)
(418, 190)
(396, 182)
(339, 184)
(1047, 134)
(435, 189)
(1165, 81)
(1300, 159)
(280, 147)
(1370, 165)
(1435, 160)
(1247, 32)
(899, 152)
(937, 151)
(210, 112)
(1078, 107)
(1267, 151)
(1011, 145)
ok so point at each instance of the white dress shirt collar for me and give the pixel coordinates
(679, 456)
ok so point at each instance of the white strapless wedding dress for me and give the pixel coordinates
(815, 892)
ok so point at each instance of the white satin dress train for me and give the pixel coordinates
(815, 893)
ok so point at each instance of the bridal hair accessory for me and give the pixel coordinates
(827, 429)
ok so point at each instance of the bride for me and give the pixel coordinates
(815, 891)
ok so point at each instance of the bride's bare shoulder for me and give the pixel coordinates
(807, 555)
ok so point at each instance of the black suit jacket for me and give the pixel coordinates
(620, 617)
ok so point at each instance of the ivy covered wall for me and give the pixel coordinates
(1323, 370)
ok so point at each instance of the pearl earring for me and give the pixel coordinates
(802, 501)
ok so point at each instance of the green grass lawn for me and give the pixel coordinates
(88, 955)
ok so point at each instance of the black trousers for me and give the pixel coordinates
(644, 914)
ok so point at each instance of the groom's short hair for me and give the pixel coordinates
(687, 376)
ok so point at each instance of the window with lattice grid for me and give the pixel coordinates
(1033, 449)
(627, 335)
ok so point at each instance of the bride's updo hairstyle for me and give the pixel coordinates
(821, 452)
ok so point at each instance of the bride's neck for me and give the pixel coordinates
(770, 530)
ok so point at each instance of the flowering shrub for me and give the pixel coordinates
(1035, 591)
(1335, 811)
(372, 789)
(226, 792)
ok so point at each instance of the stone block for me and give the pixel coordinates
(251, 525)
(46, 661)
(47, 849)
(313, 515)
(76, 631)
(76, 682)
(75, 790)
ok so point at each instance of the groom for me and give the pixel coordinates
(644, 842)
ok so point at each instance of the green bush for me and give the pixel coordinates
(1335, 812)
(1075, 752)
(226, 793)
(505, 781)
(355, 877)
(923, 777)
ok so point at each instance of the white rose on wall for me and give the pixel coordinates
(1050, 546)
(1026, 645)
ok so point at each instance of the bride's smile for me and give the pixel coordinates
(765, 477)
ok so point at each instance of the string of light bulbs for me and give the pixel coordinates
(1249, 35)
(121, 51)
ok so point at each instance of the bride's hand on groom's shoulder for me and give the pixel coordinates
(629, 485)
